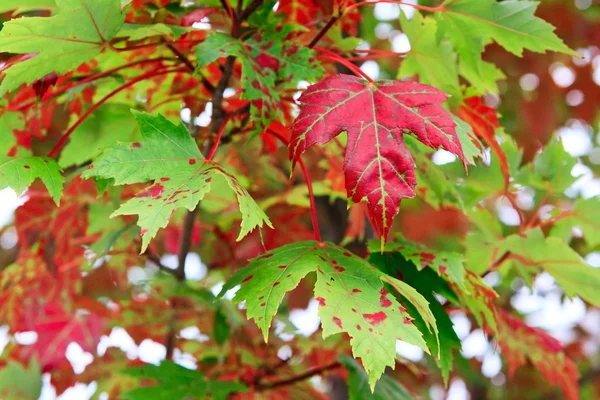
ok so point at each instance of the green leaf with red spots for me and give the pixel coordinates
(521, 343)
(266, 62)
(20, 172)
(78, 32)
(351, 294)
(447, 264)
(378, 167)
(427, 283)
(168, 156)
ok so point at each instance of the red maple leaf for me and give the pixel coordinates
(484, 121)
(377, 164)
(520, 342)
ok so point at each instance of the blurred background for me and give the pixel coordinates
(543, 96)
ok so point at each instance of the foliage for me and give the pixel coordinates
(154, 144)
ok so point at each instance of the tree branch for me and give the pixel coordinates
(261, 387)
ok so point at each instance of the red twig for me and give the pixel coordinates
(337, 58)
(132, 82)
(558, 217)
(87, 80)
(313, 205)
(213, 150)
(323, 31)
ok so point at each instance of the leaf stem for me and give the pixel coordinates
(298, 378)
(215, 145)
(311, 195)
(65, 136)
(88, 79)
(357, 71)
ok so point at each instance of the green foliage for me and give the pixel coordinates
(79, 31)
(19, 382)
(145, 117)
(178, 382)
(358, 388)
(19, 172)
(351, 295)
(167, 155)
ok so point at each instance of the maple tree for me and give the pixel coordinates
(253, 136)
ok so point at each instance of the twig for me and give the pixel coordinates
(65, 136)
(298, 378)
(323, 31)
(250, 9)
(185, 242)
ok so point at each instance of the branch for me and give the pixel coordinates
(181, 57)
(323, 31)
(65, 136)
(298, 378)
(185, 242)
(250, 9)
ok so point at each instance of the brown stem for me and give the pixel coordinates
(323, 31)
(298, 378)
(251, 8)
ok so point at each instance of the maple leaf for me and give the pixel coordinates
(19, 172)
(484, 121)
(179, 383)
(585, 215)
(107, 125)
(472, 24)
(79, 31)
(301, 12)
(351, 295)
(434, 62)
(358, 384)
(9, 122)
(550, 170)
(520, 342)
(377, 166)
(18, 382)
(553, 255)
(168, 155)
(427, 283)
(264, 62)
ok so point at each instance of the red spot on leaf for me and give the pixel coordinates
(26, 167)
(338, 322)
(164, 179)
(356, 291)
(321, 301)
(358, 327)
(375, 318)
(337, 268)
(282, 267)
(276, 283)
(262, 304)
(407, 321)
(154, 191)
(143, 232)
(136, 145)
(192, 161)
(383, 300)
(246, 279)
(443, 269)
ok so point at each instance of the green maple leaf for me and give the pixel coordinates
(472, 24)
(550, 170)
(351, 295)
(446, 264)
(177, 382)
(79, 31)
(168, 155)
(19, 172)
(554, 256)
(104, 127)
(426, 282)
(264, 62)
(358, 384)
(434, 62)
(586, 216)
(18, 382)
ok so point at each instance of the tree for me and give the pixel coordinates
(185, 167)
